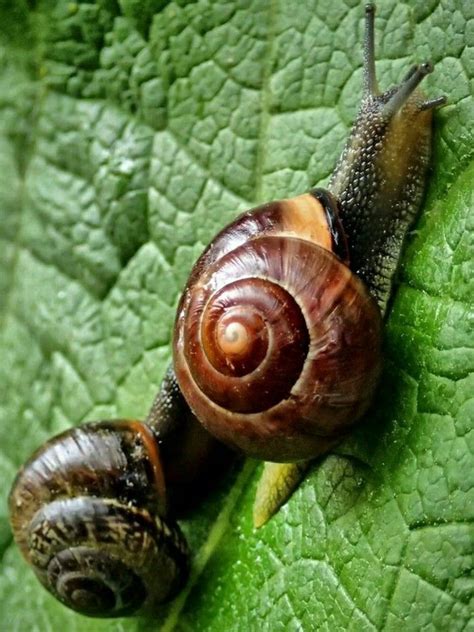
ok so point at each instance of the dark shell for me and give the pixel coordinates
(87, 511)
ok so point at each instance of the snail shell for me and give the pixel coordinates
(277, 342)
(88, 513)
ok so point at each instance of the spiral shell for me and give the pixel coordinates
(87, 513)
(277, 342)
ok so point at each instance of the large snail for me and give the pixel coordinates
(277, 352)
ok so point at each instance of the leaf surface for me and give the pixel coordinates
(130, 132)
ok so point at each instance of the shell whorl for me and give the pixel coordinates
(271, 329)
(304, 335)
(87, 511)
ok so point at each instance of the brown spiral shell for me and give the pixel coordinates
(88, 512)
(277, 342)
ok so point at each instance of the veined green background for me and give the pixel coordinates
(130, 132)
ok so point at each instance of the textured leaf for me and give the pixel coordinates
(129, 133)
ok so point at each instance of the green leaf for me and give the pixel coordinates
(129, 134)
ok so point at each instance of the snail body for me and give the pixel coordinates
(276, 352)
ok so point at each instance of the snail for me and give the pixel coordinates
(277, 354)
(277, 345)
(93, 510)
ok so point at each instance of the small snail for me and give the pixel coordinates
(277, 352)
(93, 509)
